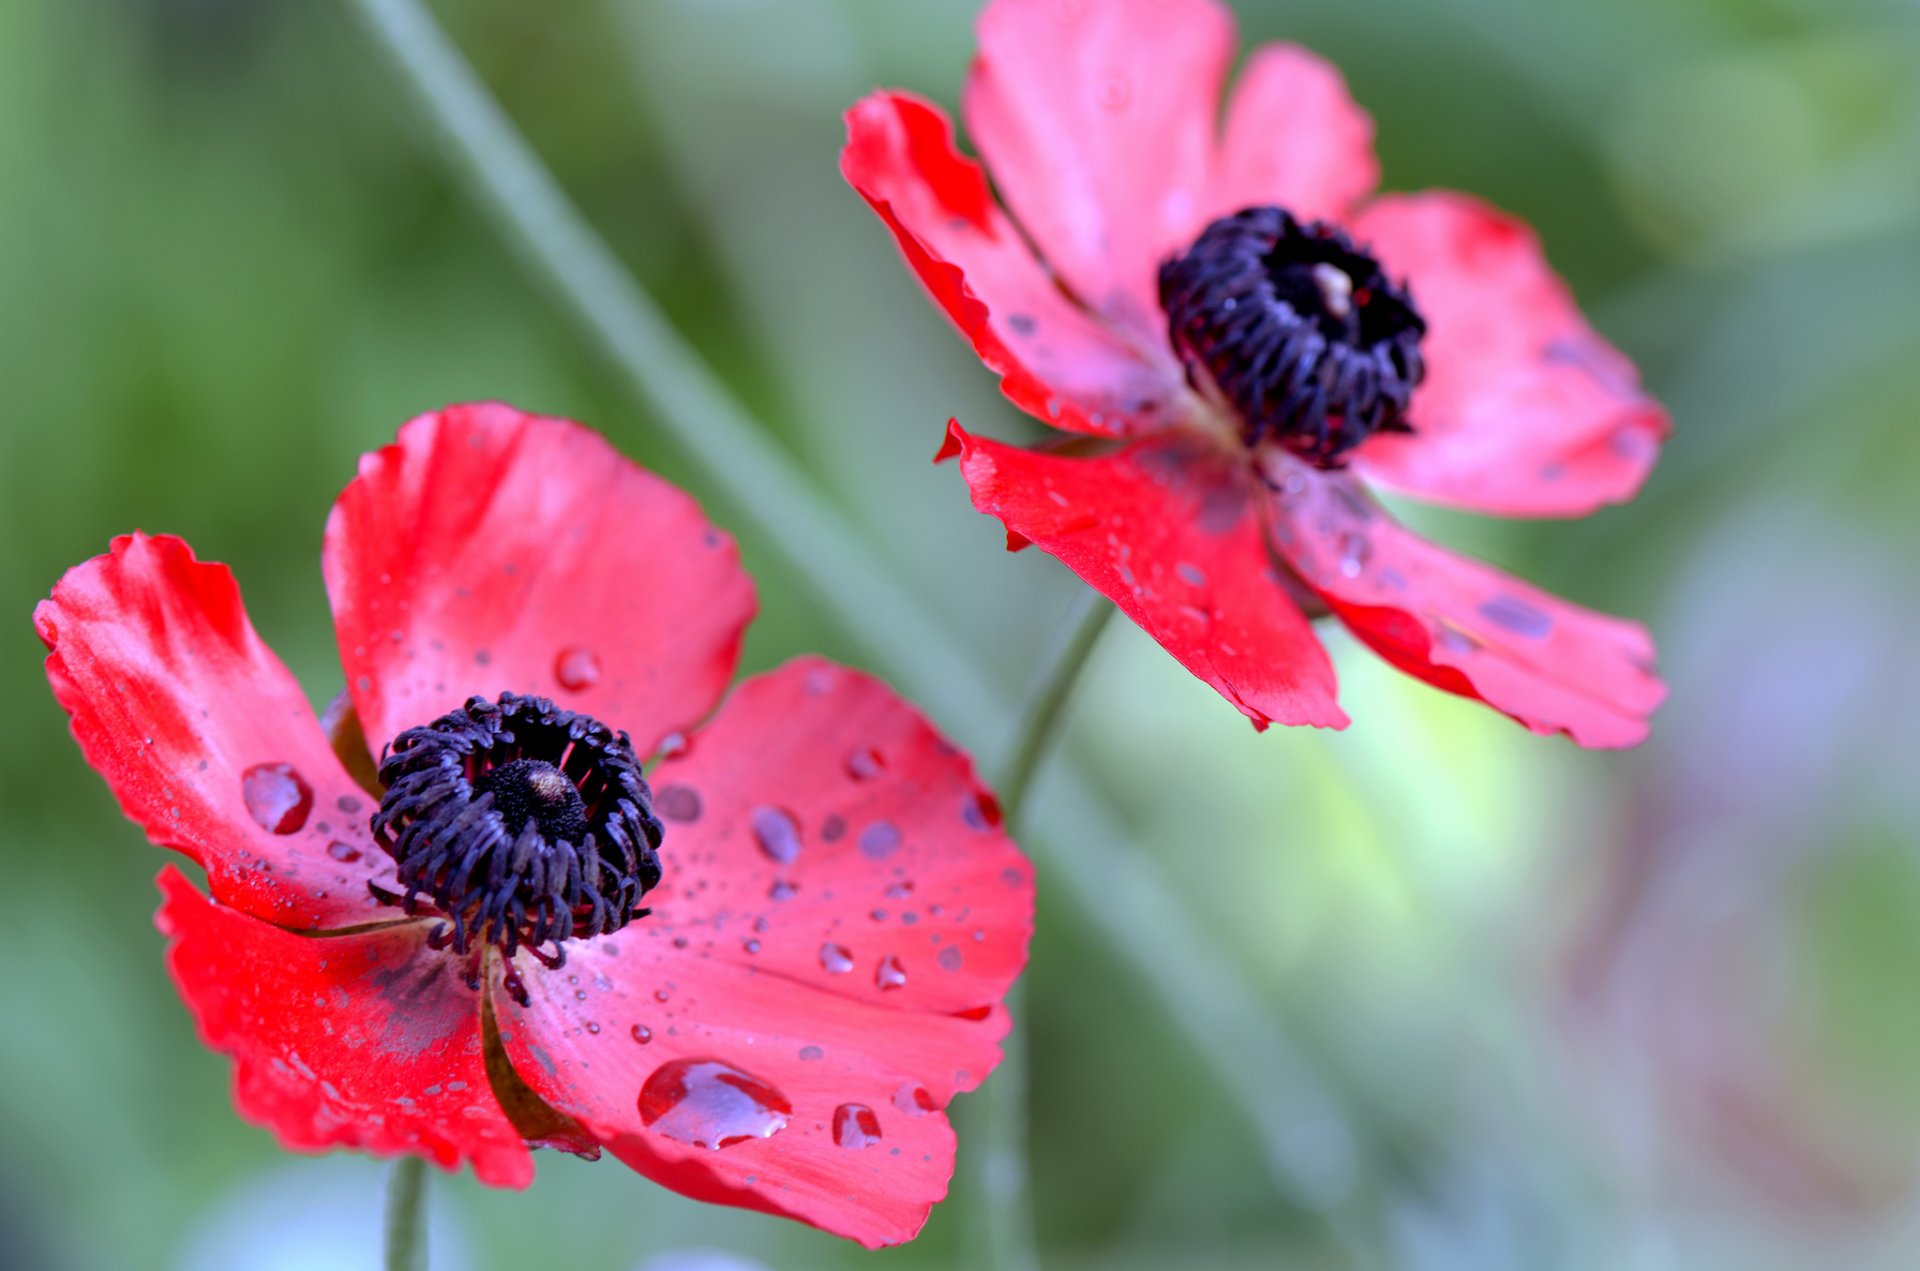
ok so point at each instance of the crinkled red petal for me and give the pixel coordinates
(1525, 411)
(1169, 529)
(840, 917)
(1097, 121)
(203, 735)
(367, 1040)
(1294, 138)
(1462, 625)
(1055, 361)
(488, 550)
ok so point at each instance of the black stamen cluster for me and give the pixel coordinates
(1298, 330)
(524, 824)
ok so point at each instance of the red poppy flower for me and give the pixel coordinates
(452, 959)
(1242, 342)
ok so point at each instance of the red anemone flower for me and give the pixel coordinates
(1242, 342)
(443, 953)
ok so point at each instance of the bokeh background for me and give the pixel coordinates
(1653, 1010)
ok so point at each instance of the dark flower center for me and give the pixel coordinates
(1297, 330)
(523, 824)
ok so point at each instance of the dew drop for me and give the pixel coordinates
(1355, 548)
(641, 1033)
(889, 974)
(678, 803)
(781, 890)
(592, 1027)
(833, 828)
(855, 1126)
(981, 811)
(711, 1104)
(914, 1100)
(1518, 616)
(576, 667)
(811, 1054)
(777, 833)
(866, 764)
(278, 797)
(750, 945)
(949, 958)
(346, 852)
(674, 746)
(835, 959)
(879, 840)
(348, 804)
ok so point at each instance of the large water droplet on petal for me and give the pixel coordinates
(711, 1104)
(914, 1100)
(855, 1126)
(278, 797)
(777, 833)
(577, 668)
(890, 974)
(642, 1034)
(835, 959)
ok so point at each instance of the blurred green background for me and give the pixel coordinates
(1655, 1010)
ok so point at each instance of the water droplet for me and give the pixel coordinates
(750, 945)
(879, 840)
(711, 1104)
(981, 811)
(1518, 616)
(674, 745)
(878, 915)
(592, 1027)
(833, 828)
(949, 958)
(576, 667)
(914, 1100)
(343, 851)
(810, 1054)
(855, 1126)
(835, 959)
(781, 890)
(660, 995)
(642, 1034)
(278, 797)
(865, 764)
(889, 974)
(1355, 548)
(900, 890)
(777, 833)
(678, 803)
(348, 804)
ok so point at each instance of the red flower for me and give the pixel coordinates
(1239, 368)
(837, 912)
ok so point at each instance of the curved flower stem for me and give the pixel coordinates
(1311, 1151)
(406, 1239)
(1046, 697)
(1005, 1224)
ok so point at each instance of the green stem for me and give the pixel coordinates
(406, 1215)
(1045, 701)
(1310, 1148)
(1005, 1225)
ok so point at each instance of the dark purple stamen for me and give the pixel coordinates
(1297, 330)
(525, 825)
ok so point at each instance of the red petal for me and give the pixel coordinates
(488, 550)
(1055, 361)
(1294, 138)
(1461, 625)
(204, 737)
(1169, 529)
(817, 824)
(367, 1041)
(1525, 411)
(1097, 122)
